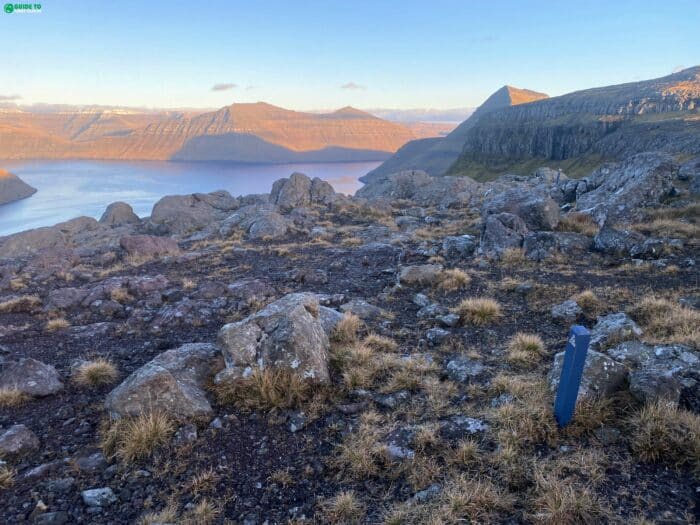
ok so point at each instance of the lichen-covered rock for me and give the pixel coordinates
(501, 232)
(183, 214)
(17, 441)
(30, 377)
(566, 312)
(617, 243)
(539, 212)
(149, 245)
(258, 221)
(420, 274)
(119, 214)
(543, 244)
(292, 192)
(458, 247)
(613, 328)
(172, 383)
(602, 375)
(287, 335)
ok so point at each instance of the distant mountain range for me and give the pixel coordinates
(256, 132)
(518, 130)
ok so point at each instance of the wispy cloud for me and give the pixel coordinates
(223, 87)
(9, 98)
(678, 69)
(352, 85)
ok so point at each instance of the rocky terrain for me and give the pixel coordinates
(12, 188)
(257, 132)
(307, 357)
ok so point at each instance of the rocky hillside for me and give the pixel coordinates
(12, 188)
(307, 357)
(242, 132)
(436, 155)
(581, 130)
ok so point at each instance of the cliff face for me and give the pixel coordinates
(243, 132)
(12, 188)
(435, 156)
(587, 127)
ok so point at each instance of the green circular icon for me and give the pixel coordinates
(9, 8)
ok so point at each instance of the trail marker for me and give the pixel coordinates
(571, 372)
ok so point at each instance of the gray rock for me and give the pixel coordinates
(329, 318)
(542, 245)
(292, 192)
(257, 221)
(17, 441)
(59, 517)
(436, 336)
(119, 214)
(537, 211)
(66, 298)
(149, 245)
(501, 232)
(617, 243)
(602, 376)
(460, 247)
(172, 383)
(285, 335)
(448, 320)
(363, 309)
(649, 384)
(12, 188)
(420, 275)
(463, 369)
(183, 214)
(566, 312)
(31, 377)
(613, 328)
(101, 497)
(185, 435)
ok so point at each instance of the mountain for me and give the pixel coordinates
(12, 188)
(435, 156)
(256, 132)
(579, 131)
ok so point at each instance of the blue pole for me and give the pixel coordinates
(571, 372)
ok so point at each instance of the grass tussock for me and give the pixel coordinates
(344, 508)
(7, 477)
(478, 311)
(662, 432)
(525, 349)
(665, 227)
(96, 372)
(204, 512)
(12, 397)
(265, 389)
(577, 222)
(589, 302)
(137, 438)
(561, 501)
(453, 279)
(20, 304)
(512, 257)
(473, 501)
(362, 455)
(347, 329)
(56, 324)
(121, 295)
(380, 343)
(667, 321)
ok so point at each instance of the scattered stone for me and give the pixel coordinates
(363, 309)
(566, 312)
(31, 377)
(101, 497)
(17, 441)
(501, 232)
(464, 370)
(461, 247)
(420, 275)
(538, 212)
(613, 328)
(185, 435)
(435, 336)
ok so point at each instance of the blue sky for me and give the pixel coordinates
(300, 54)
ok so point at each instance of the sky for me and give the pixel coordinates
(328, 54)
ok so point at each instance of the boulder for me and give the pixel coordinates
(618, 192)
(30, 377)
(464, 370)
(616, 243)
(362, 309)
(458, 247)
(613, 328)
(149, 245)
(602, 376)
(173, 382)
(539, 212)
(286, 335)
(543, 244)
(501, 232)
(322, 192)
(566, 312)
(184, 214)
(257, 220)
(66, 298)
(100, 497)
(17, 441)
(119, 214)
(420, 274)
(30, 242)
(292, 192)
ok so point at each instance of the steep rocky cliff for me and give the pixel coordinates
(436, 155)
(12, 188)
(584, 128)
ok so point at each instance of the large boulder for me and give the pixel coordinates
(286, 335)
(543, 244)
(30, 377)
(119, 214)
(539, 212)
(173, 383)
(17, 441)
(30, 242)
(149, 245)
(12, 188)
(616, 243)
(613, 328)
(292, 192)
(183, 214)
(501, 232)
(458, 247)
(420, 274)
(258, 221)
(690, 171)
(602, 376)
(618, 192)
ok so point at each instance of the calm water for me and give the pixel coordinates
(69, 189)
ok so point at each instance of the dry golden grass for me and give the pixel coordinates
(18, 284)
(662, 432)
(513, 257)
(96, 372)
(669, 228)
(589, 302)
(465, 454)
(563, 501)
(56, 324)
(344, 508)
(359, 364)
(478, 311)
(265, 389)
(347, 328)
(204, 512)
(203, 482)
(168, 514)
(133, 439)
(188, 284)
(362, 455)
(473, 500)
(525, 349)
(666, 321)
(380, 343)
(121, 295)
(281, 477)
(578, 223)
(410, 374)
(590, 415)
(7, 477)
(21, 304)
(453, 279)
(12, 397)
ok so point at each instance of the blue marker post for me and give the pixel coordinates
(571, 372)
